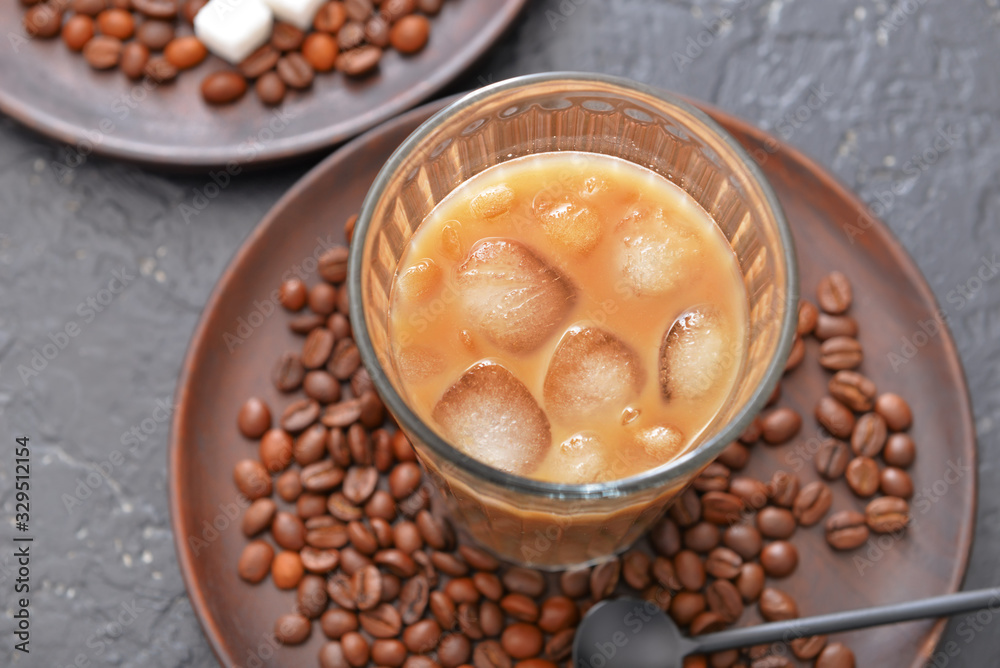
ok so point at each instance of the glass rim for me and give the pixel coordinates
(676, 469)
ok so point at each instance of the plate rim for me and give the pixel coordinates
(191, 157)
(196, 346)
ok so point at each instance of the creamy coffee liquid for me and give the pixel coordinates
(570, 317)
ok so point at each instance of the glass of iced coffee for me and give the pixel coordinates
(572, 292)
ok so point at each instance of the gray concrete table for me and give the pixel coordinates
(899, 100)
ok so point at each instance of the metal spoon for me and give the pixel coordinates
(631, 633)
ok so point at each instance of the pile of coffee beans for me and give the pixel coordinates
(152, 40)
(386, 581)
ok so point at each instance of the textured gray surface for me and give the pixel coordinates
(888, 81)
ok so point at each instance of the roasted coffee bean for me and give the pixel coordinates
(341, 591)
(832, 458)
(362, 538)
(478, 559)
(887, 514)
(808, 648)
(296, 72)
(835, 417)
(840, 352)
(254, 418)
(310, 446)
(288, 373)
(292, 629)
(404, 479)
(721, 507)
(522, 641)
(301, 324)
(102, 52)
(223, 87)
(156, 9)
(896, 482)
(359, 483)
(520, 607)
(359, 444)
(402, 448)
(358, 10)
(899, 451)
(311, 506)
(372, 410)
(352, 561)
(380, 505)
(743, 539)
(332, 264)
(311, 597)
(330, 17)
(360, 61)
(367, 586)
(636, 565)
(895, 410)
(779, 559)
(328, 538)
(351, 35)
(469, 622)
(397, 562)
(186, 52)
(869, 435)
(85, 7)
(807, 317)
(753, 431)
(346, 359)
(853, 389)
(462, 590)
(750, 581)
(320, 51)
(299, 415)
(783, 488)
(382, 456)
(603, 580)
(397, 9)
(319, 561)
(317, 348)
(422, 636)
(271, 90)
(834, 293)
(289, 532)
(116, 23)
(413, 504)
(356, 649)
(443, 609)
(413, 598)
(558, 613)
(576, 583)
(835, 655)
(735, 455)
(293, 292)
(252, 479)
(707, 622)
(438, 534)
(829, 326)
(381, 621)
(255, 561)
(775, 605)
(321, 386)
(331, 655)
(796, 355)
(724, 599)
(776, 523)
(531, 583)
(812, 503)
(258, 516)
(275, 450)
(287, 570)
(714, 477)
(488, 584)
(846, 530)
(45, 20)
(862, 476)
(665, 574)
(772, 661)
(288, 485)
(336, 622)
(690, 570)
(701, 537)
(686, 509)
(490, 654)
(377, 31)
(780, 425)
(454, 650)
(77, 31)
(429, 7)
(751, 491)
(286, 37)
(190, 8)
(685, 606)
(409, 34)
(155, 34)
(322, 296)
(491, 619)
(388, 652)
(723, 563)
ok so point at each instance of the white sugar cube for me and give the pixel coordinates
(299, 13)
(233, 29)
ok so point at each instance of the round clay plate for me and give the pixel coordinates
(227, 363)
(54, 91)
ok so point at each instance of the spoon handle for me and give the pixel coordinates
(938, 606)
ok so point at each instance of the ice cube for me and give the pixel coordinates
(592, 375)
(694, 354)
(583, 458)
(233, 29)
(451, 242)
(420, 281)
(661, 443)
(492, 201)
(418, 363)
(512, 297)
(491, 416)
(657, 252)
(568, 221)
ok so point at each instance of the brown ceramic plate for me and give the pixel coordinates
(892, 300)
(55, 92)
